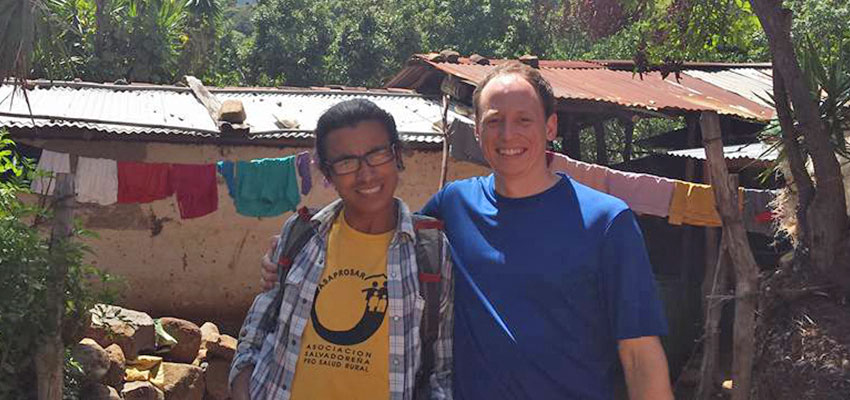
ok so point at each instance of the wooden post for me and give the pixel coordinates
(445, 125)
(213, 105)
(718, 285)
(712, 251)
(209, 101)
(690, 176)
(568, 130)
(746, 270)
(629, 131)
(601, 149)
(50, 354)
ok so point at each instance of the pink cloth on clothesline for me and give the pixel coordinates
(644, 194)
(590, 175)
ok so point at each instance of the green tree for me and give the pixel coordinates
(292, 41)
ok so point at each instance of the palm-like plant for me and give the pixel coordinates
(16, 37)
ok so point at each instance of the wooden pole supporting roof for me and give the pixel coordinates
(738, 249)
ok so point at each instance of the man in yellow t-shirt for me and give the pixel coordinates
(352, 318)
(345, 346)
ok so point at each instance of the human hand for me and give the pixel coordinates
(240, 389)
(268, 269)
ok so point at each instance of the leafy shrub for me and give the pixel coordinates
(25, 262)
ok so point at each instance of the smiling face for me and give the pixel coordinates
(370, 190)
(513, 130)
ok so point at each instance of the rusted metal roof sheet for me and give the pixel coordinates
(623, 88)
(169, 110)
(750, 151)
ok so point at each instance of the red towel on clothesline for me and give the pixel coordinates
(140, 182)
(196, 189)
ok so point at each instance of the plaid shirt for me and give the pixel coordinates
(274, 354)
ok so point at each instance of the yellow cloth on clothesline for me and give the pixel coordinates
(693, 204)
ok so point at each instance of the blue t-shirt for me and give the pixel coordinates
(545, 287)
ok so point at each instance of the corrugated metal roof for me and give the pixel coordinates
(624, 88)
(752, 83)
(168, 110)
(750, 151)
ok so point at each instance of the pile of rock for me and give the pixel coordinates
(118, 360)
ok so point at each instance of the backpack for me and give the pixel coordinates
(428, 249)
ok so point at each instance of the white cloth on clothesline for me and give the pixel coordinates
(96, 181)
(54, 163)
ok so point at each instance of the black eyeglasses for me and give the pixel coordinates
(352, 164)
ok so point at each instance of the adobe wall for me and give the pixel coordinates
(205, 268)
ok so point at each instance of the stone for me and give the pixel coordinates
(224, 348)
(209, 333)
(93, 359)
(188, 337)
(479, 59)
(216, 380)
(182, 381)
(201, 358)
(530, 60)
(450, 56)
(141, 391)
(99, 391)
(232, 111)
(117, 364)
(132, 330)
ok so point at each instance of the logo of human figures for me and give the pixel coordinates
(376, 302)
(377, 299)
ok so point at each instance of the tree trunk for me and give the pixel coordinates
(827, 214)
(50, 355)
(746, 269)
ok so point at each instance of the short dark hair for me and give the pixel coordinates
(531, 75)
(349, 113)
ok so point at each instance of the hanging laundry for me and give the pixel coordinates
(693, 204)
(96, 181)
(266, 187)
(225, 168)
(758, 217)
(645, 194)
(54, 163)
(140, 182)
(590, 175)
(196, 189)
(303, 161)
(463, 144)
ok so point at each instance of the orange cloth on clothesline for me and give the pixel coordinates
(693, 204)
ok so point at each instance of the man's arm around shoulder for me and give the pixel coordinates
(645, 368)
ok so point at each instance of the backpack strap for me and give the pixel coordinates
(429, 260)
(299, 234)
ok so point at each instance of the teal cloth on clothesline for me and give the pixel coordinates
(265, 187)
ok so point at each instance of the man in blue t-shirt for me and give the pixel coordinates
(554, 285)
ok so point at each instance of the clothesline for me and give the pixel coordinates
(679, 201)
(259, 188)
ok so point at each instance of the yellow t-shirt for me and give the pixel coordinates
(345, 345)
